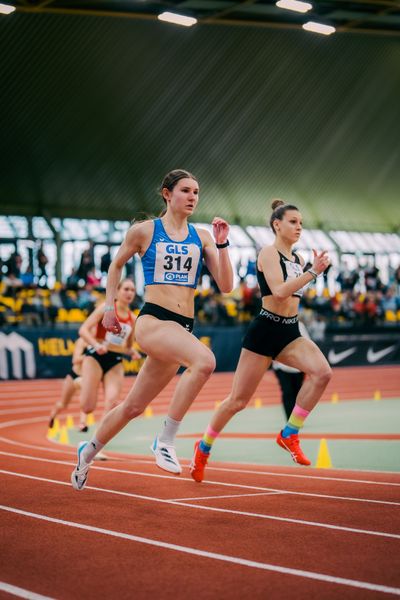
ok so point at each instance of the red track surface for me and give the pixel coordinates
(135, 531)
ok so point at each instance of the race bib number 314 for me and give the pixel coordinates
(176, 263)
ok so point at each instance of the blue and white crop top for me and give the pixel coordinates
(290, 270)
(169, 262)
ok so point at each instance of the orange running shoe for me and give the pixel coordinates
(292, 445)
(198, 464)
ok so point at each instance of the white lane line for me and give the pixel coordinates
(212, 508)
(227, 496)
(220, 483)
(213, 555)
(21, 593)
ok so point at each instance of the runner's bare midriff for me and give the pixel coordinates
(284, 308)
(178, 299)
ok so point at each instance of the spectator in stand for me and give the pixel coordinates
(250, 299)
(366, 309)
(372, 279)
(68, 298)
(347, 278)
(87, 263)
(390, 304)
(86, 298)
(92, 279)
(12, 283)
(55, 303)
(73, 280)
(396, 280)
(316, 328)
(346, 309)
(33, 310)
(27, 277)
(42, 261)
(105, 262)
(13, 265)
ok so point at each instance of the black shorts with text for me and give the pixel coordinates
(268, 334)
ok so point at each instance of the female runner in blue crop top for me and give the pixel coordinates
(274, 333)
(171, 251)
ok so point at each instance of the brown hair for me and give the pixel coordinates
(278, 210)
(170, 180)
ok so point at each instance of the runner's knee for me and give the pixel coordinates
(322, 375)
(131, 411)
(235, 404)
(325, 375)
(205, 364)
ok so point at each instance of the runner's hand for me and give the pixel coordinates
(101, 349)
(220, 230)
(321, 261)
(134, 354)
(110, 322)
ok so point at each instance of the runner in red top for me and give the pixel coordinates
(103, 356)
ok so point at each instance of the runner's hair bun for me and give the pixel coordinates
(277, 203)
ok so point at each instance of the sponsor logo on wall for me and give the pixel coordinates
(17, 357)
(361, 354)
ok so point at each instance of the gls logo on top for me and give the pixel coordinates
(181, 277)
(17, 357)
(177, 249)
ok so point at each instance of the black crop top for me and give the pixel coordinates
(290, 270)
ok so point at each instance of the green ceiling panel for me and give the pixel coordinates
(94, 111)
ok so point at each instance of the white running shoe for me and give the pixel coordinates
(165, 456)
(80, 473)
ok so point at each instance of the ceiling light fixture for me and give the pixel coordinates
(6, 9)
(296, 5)
(170, 17)
(319, 28)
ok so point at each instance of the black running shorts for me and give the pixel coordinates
(106, 361)
(268, 334)
(163, 314)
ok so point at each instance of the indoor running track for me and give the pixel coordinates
(137, 532)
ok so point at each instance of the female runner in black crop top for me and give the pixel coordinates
(274, 333)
